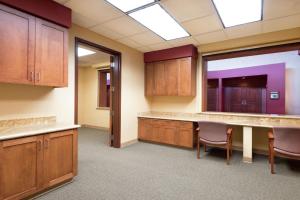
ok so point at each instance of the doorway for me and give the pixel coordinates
(103, 66)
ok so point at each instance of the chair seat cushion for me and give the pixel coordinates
(287, 139)
(287, 152)
(213, 142)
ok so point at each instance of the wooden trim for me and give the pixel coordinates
(254, 51)
(115, 82)
(46, 9)
(172, 53)
(241, 53)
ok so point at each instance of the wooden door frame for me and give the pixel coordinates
(240, 53)
(115, 139)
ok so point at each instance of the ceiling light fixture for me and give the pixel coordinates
(159, 21)
(237, 12)
(84, 52)
(128, 5)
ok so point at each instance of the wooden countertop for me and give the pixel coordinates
(236, 119)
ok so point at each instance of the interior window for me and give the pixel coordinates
(104, 88)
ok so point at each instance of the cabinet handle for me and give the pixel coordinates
(38, 76)
(46, 143)
(31, 76)
(39, 145)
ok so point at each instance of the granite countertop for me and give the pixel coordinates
(267, 121)
(7, 133)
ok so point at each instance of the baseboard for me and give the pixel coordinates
(95, 127)
(128, 143)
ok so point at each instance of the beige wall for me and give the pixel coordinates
(88, 113)
(21, 100)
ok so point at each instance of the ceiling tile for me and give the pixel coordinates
(188, 9)
(159, 46)
(144, 49)
(82, 21)
(96, 10)
(146, 38)
(280, 8)
(244, 30)
(106, 32)
(292, 21)
(129, 42)
(183, 41)
(125, 26)
(215, 36)
(203, 25)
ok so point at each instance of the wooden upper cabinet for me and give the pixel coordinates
(171, 79)
(149, 79)
(159, 77)
(33, 51)
(51, 54)
(60, 157)
(17, 35)
(21, 167)
(175, 77)
(187, 77)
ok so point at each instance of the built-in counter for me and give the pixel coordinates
(247, 121)
(35, 154)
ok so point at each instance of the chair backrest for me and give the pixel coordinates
(287, 139)
(213, 131)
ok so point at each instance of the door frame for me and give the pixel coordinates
(115, 107)
(240, 53)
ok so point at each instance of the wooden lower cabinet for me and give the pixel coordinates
(31, 164)
(172, 132)
(60, 154)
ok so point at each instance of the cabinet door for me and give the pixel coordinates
(20, 167)
(149, 82)
(60, 157)
(159, 79)
(185, 138)
(17, 34)
(171, 77)
(168, 135)
(51, 54)
(187, 77)
(145, 129)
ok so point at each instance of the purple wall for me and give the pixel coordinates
(275, 83)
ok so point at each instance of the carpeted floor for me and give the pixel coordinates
(149, 171)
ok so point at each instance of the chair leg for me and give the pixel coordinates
(198, 148)
(272, 161)
(204, 146)
(228, 152)
(231, 147)
(269, 155)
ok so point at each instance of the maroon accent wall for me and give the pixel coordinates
(172, 53)
(275, 82)
(46, 9)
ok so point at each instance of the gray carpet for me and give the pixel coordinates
(148, 171)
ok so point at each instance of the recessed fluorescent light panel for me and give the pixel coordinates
(159, 21)
(236, 12)
(84, 52)
(127, 5)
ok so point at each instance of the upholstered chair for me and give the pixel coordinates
(284, 142)
(214, 134)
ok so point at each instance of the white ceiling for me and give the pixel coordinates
(198, 17)
(98, 58)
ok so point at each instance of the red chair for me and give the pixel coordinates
(214, 134)
(284, 142)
